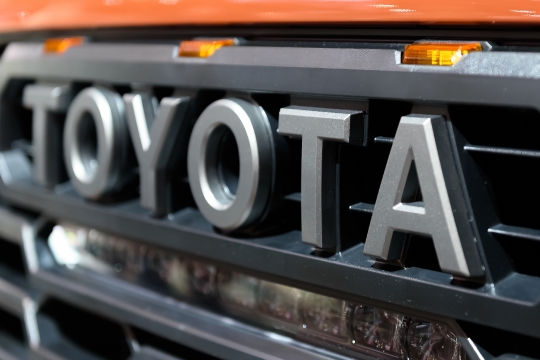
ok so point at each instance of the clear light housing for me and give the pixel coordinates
(433, 341)
(281, 302)
(378, 329)
(238, 290)
(202, 277)
(326, 315)
(178, 278)
(353, 327)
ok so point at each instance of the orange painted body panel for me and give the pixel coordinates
(20, 15)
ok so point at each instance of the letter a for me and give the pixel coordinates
(441, 214)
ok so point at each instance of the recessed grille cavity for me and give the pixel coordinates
(502, 144)
(61, 322)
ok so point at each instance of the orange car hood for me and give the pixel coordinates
(19, 15)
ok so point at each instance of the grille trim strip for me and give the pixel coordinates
(516, 231)
(179, 322)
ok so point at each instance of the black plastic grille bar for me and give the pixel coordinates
(213, 334)
(516, 231)
(502, 151)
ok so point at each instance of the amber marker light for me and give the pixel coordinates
(60, 45)
(202, 48)
(442, 54)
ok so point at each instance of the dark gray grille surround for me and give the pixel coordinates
(508, 301)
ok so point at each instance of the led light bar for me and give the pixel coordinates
(442, 54)
(324, 321)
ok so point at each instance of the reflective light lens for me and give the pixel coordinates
(443, 54)
(202, 48)
(178, 278)
(379, 329)
(318, 319)
(238, 290)
(326, 315)
(60, 45)
(432, 341)
(281, 302)
(202, 277)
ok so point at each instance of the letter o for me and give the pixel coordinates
(96, 142)
(251, 129)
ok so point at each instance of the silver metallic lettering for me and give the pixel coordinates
(96, 142)
(153, 135)
(320, 129)
(47, 100)
(251, 129)
(423, 140)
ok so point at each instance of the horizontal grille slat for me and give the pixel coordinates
(362, 207)
(174, 321)
(516, 231)
(502, 151)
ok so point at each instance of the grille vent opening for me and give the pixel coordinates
(513, 178)
(514, 187)
(522, 252)
(361, 171)
(170, 347)
(272, 103)
(162, 91)
(11, 328)
(419, 251)
(288, 216)
(499, 342)
(362, 168)
(384, 117)
(497, 126)
(11, 257)
(502, 142)
(2, 49)
(122, 89)
(15, 133)
(87, 331)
